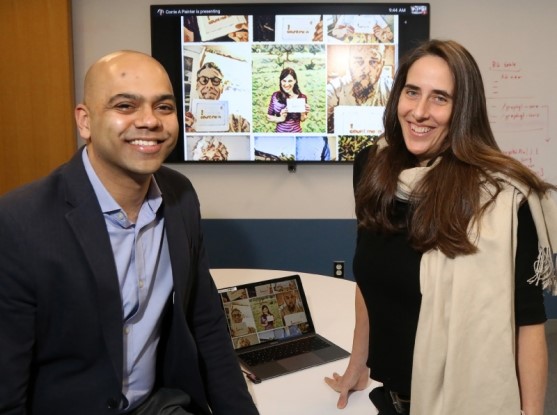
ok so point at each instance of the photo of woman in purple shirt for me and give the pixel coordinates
(287, 122)
(267, 318)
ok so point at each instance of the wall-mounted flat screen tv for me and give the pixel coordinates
(275, 82)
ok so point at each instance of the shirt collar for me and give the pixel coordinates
(106, 201)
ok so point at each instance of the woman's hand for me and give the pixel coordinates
(352, 380)
(356, 376)
(304, 115)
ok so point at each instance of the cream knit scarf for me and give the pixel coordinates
(464, 356)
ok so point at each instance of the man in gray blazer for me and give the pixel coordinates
(106, 301)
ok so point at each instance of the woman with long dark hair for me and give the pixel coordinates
(455, 244)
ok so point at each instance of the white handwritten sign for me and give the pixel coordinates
(210, 115)
(355, 120)
(212, 27)
(295, 28)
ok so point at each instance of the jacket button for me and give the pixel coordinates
(113, 403)
(117, 403)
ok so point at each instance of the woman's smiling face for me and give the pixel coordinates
(287, 83)
(425, 106)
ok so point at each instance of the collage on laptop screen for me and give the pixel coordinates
(265, 312)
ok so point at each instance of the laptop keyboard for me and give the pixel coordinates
(284, 350)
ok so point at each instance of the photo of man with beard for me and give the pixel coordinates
(210, 86)
(364, 83)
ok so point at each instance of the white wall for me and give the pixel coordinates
(516, 35)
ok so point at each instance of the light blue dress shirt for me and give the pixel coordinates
(143, 263)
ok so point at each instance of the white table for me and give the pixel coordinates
(331, 301)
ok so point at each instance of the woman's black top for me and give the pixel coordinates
(386, 269)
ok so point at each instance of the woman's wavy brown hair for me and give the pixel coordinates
(448, 199)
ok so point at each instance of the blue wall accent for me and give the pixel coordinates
(287, 244)
(304, 245)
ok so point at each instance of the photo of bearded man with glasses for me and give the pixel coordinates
(210, 85)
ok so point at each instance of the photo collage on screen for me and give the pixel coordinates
(285, 87)
(267, 312)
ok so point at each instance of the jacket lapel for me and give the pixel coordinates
(89, 226)
(179, 243)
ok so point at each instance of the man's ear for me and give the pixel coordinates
(82, 120)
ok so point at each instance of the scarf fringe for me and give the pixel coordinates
(544, 268)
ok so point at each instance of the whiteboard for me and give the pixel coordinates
(513, 42)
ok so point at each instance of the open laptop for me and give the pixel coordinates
(271, 328)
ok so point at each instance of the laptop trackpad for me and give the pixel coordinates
(300, 361)
(269, 370)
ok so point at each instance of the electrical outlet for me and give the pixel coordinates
(338, 269)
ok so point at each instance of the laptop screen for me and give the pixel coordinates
(266, 311)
